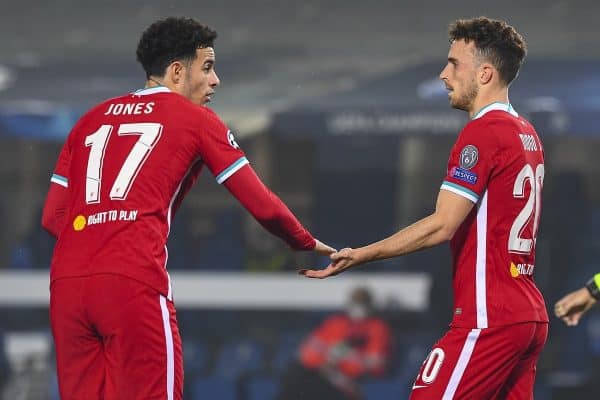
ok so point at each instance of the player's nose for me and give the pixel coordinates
(444, 74)
(215, 81)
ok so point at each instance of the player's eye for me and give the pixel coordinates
(207, 67)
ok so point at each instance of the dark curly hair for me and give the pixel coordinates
(495, 41)
(172, 39)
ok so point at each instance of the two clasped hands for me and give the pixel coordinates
(570, 308)
(340, 261)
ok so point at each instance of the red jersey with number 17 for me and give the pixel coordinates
(497, 163)
(127, 164)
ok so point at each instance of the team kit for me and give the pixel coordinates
(128, 163)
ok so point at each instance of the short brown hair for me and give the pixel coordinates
(495, 41)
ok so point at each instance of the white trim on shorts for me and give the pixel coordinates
(169, 348)
(461, 364)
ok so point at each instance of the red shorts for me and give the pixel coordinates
(115, 338)
(480, 364)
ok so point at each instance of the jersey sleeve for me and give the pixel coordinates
(472, 161)
(60, 175)
(55, 205)
(269, 210)
(218, 148)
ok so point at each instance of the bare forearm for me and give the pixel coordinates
(451, 211)
(424, 233)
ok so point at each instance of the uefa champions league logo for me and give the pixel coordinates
(231, 140)
(468, 157)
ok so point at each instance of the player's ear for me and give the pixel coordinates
(175, 71)
(486, 73)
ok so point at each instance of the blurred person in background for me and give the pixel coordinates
(488, 208)
(344, 348)
(120, 177)
(572, 306)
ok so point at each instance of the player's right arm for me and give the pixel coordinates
(472, 159)
(229, 164)
(54, 214)
(451, 211)
(271, 212)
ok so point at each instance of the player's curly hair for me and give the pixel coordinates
(495, 41)
(172, 39)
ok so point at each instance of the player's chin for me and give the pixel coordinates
(201, 100)
(208, 97)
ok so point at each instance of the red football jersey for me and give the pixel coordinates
(497, 162)
(128, 163)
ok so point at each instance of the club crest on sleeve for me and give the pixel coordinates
(468, 156)
(231, 140)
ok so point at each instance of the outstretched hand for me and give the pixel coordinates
(572, 307)
(340, 261)
(323, 249)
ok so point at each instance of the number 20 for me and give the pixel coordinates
(516, 243)
(149, 134)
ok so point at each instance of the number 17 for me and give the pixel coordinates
(149, 134)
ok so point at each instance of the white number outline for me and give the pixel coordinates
(516, 243)
(93, 179)
(430, 372)
(149, 134)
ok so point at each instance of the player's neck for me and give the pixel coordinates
(500, 96)
(153, 82)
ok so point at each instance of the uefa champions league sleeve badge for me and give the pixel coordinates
(468, 157)
(467, 160)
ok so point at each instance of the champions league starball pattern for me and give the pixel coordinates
(468, 157)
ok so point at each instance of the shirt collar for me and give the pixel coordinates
(497, 105)
(152, 90)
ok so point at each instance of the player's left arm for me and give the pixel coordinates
(55, 209)
(451, 210)
(54, 214)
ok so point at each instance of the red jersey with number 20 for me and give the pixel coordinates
(497, 163)
(127, 164)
